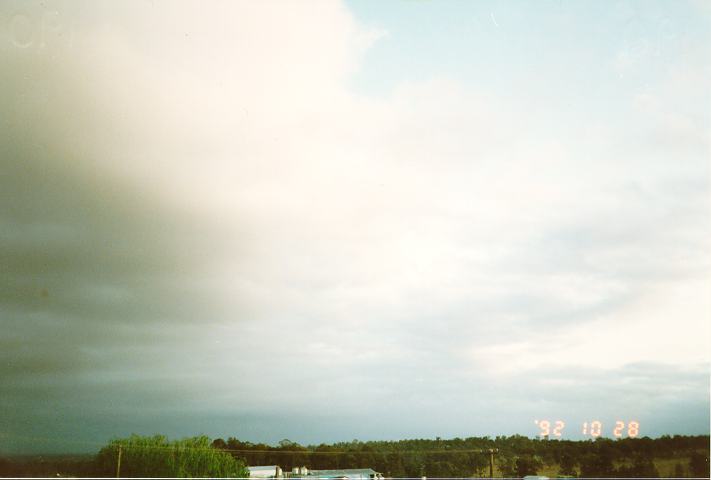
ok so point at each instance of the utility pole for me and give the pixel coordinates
(118, 463)
(491, 461)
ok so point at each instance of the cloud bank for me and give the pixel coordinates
(205, 228)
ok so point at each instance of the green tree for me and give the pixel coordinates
(642, 467)
(596, 465)
(567, 465)
(158, 457)
(528, 465)
(507, 465)
(699, 465)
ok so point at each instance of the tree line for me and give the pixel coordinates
(136, 456)
(515, 456)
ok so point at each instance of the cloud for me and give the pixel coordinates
(200, 216)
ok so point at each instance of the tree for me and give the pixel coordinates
(699, 465)
(157, 457)
(596, 465)
(219, 444)
(642, 467)
(528, 465)
(507, 465)
(567, 465)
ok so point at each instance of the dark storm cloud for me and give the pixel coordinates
(202, 231)
(98, 274)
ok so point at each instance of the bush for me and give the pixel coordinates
(699, 465)
(641, 468)
(157, 457)
(528, 465)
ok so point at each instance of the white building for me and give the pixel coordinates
(346, 474)
(265, 471)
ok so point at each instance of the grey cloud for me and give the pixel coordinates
(125, 310)
(100, 277)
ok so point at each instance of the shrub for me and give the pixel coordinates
(157, 457)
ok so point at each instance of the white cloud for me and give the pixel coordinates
(397, 244)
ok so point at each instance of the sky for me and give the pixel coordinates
(325, 220)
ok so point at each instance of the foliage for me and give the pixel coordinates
(528, 465)
(699, 465)
(517, 455)
(47, 466)
(568, 465)
(457, 457)
(641, 467)
(157, 457)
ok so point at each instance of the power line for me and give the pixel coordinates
(308, 452)
(305, 451)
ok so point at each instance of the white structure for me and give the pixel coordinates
(347, 474)
(265, 471)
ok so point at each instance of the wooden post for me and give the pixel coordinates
(118, 463)
(491, 463)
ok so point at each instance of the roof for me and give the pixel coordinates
(343, 473)
(263, 471)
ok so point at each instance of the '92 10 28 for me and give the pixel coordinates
(593, 428)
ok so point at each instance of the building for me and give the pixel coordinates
(265, 471)
(346, 474)
(274, 471)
